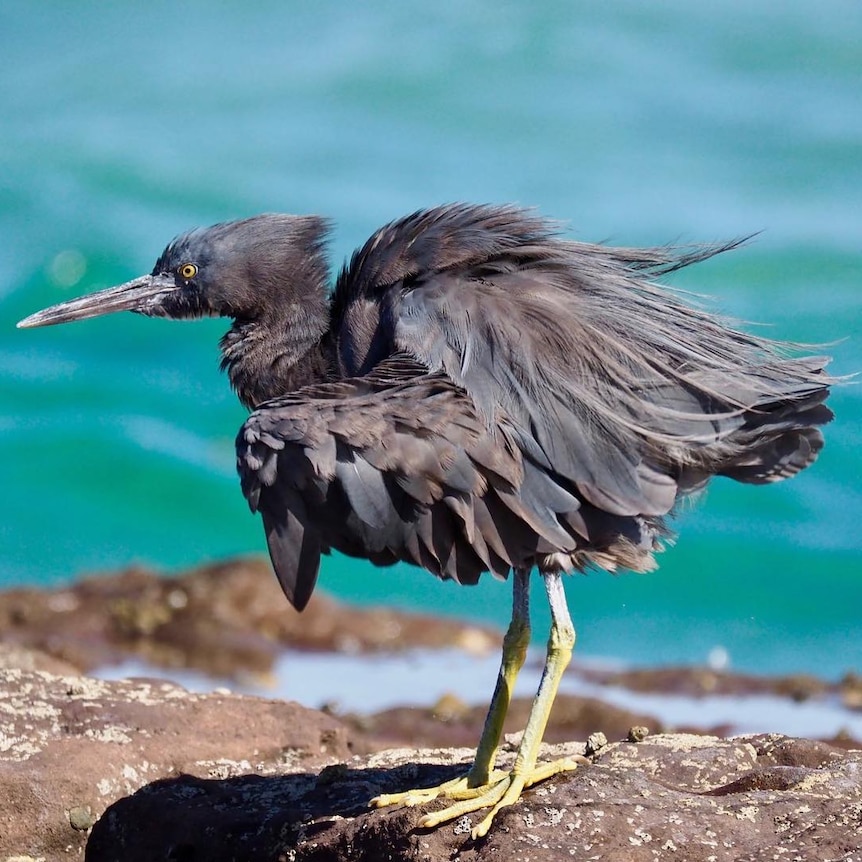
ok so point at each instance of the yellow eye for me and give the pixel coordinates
(188, 271)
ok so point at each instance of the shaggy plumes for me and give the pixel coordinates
(478, 396)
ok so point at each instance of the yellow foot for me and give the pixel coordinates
(502, 789)
(457, 788)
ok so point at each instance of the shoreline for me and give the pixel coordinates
(133, 764)
(345, 684)
(226, 627)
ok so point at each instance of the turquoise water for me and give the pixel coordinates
(123, 124)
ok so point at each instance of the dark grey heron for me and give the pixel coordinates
(477, 395)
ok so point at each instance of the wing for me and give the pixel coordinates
(604, 378)
(396, 465)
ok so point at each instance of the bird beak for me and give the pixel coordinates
(141, 294)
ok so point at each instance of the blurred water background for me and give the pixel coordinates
(123, 124)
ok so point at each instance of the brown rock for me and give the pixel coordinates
(701, 681)
(672, 797)
(71, 746)
(12, 655)
(850, 689)
(450, 722)
(229, 620)
(142, 770)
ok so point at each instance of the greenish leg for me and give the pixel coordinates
(515, 644)
(560, 645)
(507, 790)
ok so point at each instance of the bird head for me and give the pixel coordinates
(240, 269)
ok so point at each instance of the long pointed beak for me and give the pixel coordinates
(140, 294)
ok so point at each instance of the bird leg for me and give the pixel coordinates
(498, 789)
(515, 643)
(524, 773)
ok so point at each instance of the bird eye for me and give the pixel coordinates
(188, 271)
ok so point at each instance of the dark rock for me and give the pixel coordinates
(696, 798)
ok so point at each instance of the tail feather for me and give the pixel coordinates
(776, 457)
(779, 438)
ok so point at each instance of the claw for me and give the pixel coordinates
(420, 795)
(503, 789)
(491, 795)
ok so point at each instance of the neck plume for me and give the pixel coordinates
(264, 360)
(281, 342)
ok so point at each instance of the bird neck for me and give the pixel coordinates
(268, 357)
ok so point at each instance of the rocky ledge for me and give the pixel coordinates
(143, 770)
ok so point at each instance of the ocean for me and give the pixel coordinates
(124, 124)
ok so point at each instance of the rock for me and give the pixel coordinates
(450, 722)
(701, 681)
(595, 742)
(143, 770)
(12, 655)
(70, 746)
(675, 796)
(228, 620)
(637, 733)
(850, 688)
